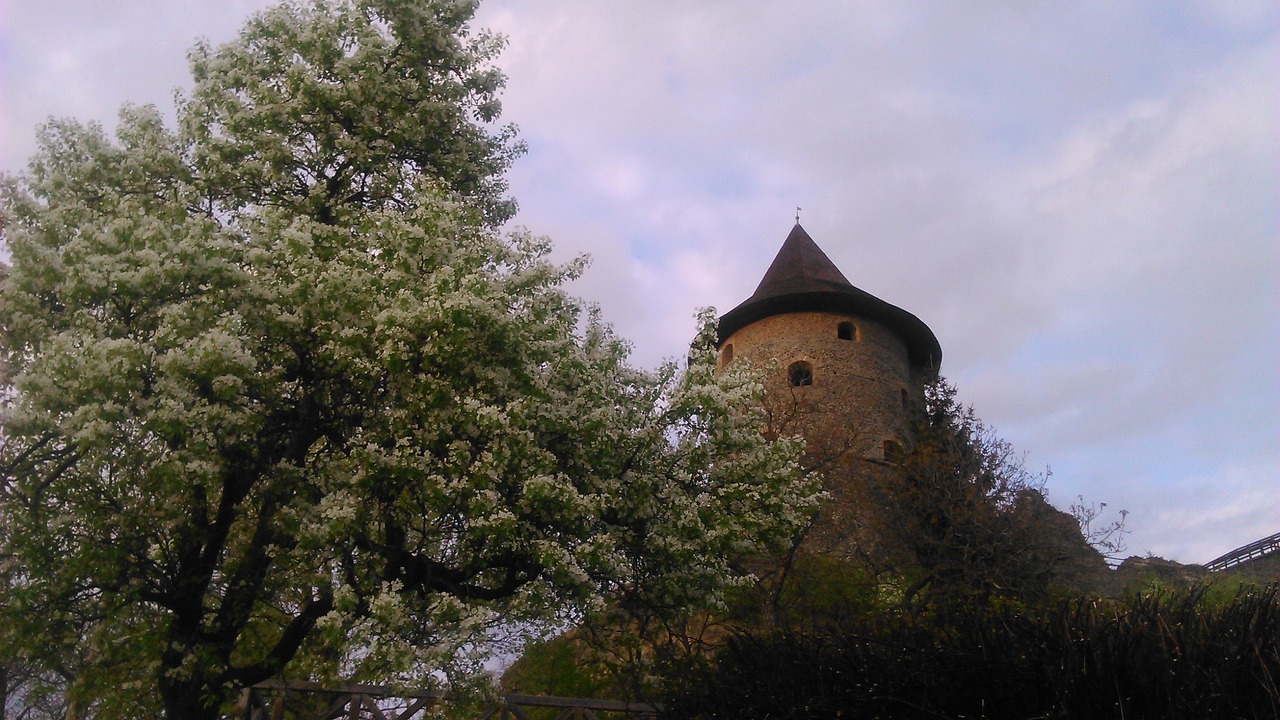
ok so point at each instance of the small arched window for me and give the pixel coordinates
(906, 399)
(726, 355)
(846, 331)
(800, 373)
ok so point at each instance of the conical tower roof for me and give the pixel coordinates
(803, 279)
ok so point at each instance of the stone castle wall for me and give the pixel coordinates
(854, 408)
(860, 385)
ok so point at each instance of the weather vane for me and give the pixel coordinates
(797, 214)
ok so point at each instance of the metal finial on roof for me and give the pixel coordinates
(797, 214)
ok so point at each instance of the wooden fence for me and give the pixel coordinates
(278, 700)
(1257, 549)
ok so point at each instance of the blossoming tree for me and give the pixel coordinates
(282, 399)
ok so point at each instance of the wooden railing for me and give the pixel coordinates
(277, 700)
(1265, 546)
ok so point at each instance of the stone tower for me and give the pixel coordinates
(842, 368)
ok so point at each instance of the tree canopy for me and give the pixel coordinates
(281, 398)
(969, 521)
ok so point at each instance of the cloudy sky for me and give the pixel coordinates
(1081, 199)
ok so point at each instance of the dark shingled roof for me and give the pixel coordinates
(803, 279)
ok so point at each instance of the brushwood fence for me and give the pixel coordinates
(292, 700)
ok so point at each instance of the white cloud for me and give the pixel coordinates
(1208, 516)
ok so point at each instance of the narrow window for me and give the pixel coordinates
(845, 330)
(800, 373)
(906, 399)
(726, 355)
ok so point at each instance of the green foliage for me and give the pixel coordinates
(1172, 655)
(825, 591)
(623, 652)
(283, 401)
(808, 592)
(558, 666)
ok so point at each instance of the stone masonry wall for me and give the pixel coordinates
(862, 384)
(857, 402)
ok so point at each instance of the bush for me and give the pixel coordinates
(1166, 655)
